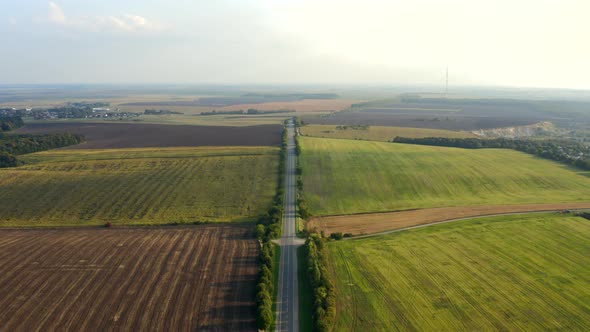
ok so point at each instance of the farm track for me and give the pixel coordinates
(197, 278)
(372, 224)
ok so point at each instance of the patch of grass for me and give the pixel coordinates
(526, 272)
(305, 292)
(347, 176)
(139, 186)
(378, 133)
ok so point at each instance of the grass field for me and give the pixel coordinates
(200, 278)
(378, 133)
(518, 273)
(139, 186)
(348, 176)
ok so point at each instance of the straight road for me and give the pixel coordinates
(288, 296)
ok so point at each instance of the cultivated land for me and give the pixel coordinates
(300, 106)
(347, 176)
(370, 223)
(138, 186)
(528, 272)
(459, 114)
(377, 133)
(201, 278)
(118, 135)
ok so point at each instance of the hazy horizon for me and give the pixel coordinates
(531, 44)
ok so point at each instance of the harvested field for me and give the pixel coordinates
(378, 133)
(509, 273)
(359, 224)
(445, 120)
(168, 279)
(303, 106)
(139, 186)
(120, 135)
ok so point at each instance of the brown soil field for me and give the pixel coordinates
(167, 279)
(444, 120)
(303, 106)
(360, 224)
(120, 135)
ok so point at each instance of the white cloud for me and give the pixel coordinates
(56, 14)
(113, 23)
(12, 21)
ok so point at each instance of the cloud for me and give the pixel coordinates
(56, 14)
(12, 21)
(112, 23)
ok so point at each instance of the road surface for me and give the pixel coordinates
(288, 296)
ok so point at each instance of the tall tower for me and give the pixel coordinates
(447, 84)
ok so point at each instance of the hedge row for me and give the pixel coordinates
(324, 299)
(265, 288)
(268, 228)
(302, 208)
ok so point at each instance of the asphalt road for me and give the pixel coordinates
(288, 296)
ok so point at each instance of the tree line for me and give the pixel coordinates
(569, 152)
(8, 123)
(268, 228)
(324, 300)
(13, 145)
(323, 311)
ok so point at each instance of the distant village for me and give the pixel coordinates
(77, 110)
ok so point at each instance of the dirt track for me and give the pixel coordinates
(121, 135)
(166, 279)
(360, 224)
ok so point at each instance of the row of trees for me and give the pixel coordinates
(323, 311)
(268, 228)
(569, 152)
(8, 123)
(13, 145)
(301, 203)
(324, 299)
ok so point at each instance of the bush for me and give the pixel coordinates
(260, 232)
(336, 236)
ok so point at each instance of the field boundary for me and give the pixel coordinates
(373, 224)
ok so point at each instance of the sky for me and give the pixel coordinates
(521, 43)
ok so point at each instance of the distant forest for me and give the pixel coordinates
(8, 123)
(569, 152)
(13, 145)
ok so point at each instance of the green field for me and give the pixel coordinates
(348, 176)
(517, 273)
(378, 133)
(139, 186)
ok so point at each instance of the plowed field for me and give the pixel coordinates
(165, 279)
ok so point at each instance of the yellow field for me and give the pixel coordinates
(138, 186)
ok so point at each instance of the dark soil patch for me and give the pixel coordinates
(120, 135)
